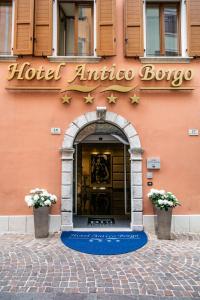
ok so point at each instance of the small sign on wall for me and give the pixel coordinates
(153, 163)
(193, 132)
(149, 175)
(55, 130)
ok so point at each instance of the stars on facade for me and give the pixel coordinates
(66, 99)
(134, 99)
(89, 99)
(112, 99)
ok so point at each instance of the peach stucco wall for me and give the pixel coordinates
(30, 155)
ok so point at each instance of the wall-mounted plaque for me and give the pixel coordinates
(153, 163)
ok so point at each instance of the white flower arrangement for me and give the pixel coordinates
(162, 199)
(40, 198)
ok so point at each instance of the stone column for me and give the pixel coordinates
(136, 193)
(67, 189)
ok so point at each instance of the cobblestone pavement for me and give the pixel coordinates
(161, 268)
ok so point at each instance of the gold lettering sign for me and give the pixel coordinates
(104, 73)
(176, 77)
(25, 72)
(148, 72)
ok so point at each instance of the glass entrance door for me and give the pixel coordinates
(102, 180)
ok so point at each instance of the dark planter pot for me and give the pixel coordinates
(41, 221)
(163, 224)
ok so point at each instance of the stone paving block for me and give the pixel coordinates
(119, 297)
(64, 296)
(160, 268)
(5, 296)
(42, 296)
(26, 296)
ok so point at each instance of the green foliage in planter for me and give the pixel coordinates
(162, 199)
(40, 198)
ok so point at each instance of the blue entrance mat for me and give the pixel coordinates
(104, 243)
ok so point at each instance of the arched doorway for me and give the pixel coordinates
(101, 189)
(84, 132)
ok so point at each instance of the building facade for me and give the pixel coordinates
(99, 104)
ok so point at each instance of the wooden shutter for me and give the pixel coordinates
(133, 30)
(43, 28)
(23, 36)
(106, 38)
(193, 18)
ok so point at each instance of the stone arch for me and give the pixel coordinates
(67, 165)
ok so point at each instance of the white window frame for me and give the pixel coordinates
(55, 32)
(12, 33)
(183, 15)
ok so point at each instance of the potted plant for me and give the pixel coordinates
(163, 202)
(41, 201)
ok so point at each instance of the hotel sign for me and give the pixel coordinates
(111, 79)
(148, 72)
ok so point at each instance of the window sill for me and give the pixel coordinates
(8, 58)
(166, 60)
(74, 59)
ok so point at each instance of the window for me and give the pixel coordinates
(162, 29)
(157, 28)
(5, 27)
(75, 28)
(64, 28)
